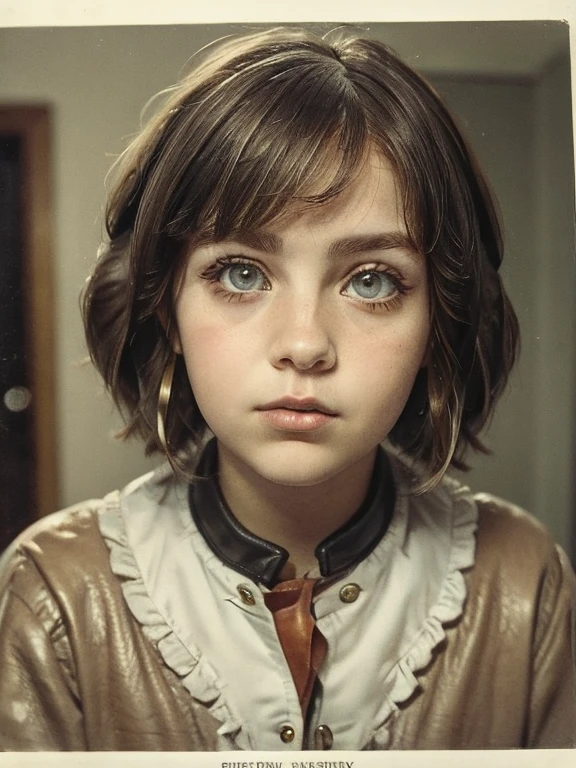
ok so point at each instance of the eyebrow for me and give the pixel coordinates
(382, 241)
(259, 240)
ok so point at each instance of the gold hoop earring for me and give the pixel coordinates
(164, 400)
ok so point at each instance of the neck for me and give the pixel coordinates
(296, 518)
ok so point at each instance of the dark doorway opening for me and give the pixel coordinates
(28, 477)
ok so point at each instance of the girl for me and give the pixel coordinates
(299, 305)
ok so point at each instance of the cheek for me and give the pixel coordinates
(198, 348)
(385, 368)
(397, 353)
(214, 357)
(207, 374)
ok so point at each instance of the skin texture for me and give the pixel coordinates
(295, 321)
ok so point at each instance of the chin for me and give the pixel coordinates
(298, 468)
(297, 479)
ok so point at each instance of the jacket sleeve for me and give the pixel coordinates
(552, 721)
(39, 709)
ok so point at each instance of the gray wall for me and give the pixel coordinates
(97, 80)
(522, 132)
(555, 341)
(499, 119)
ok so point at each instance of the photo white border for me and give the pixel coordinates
(93, 12)
(39, 13)
(543, 758)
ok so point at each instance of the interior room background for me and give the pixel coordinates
(509, 85)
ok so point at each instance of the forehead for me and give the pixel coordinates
(372, 201)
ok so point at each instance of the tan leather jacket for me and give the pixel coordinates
(77, 672)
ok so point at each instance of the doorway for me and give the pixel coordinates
(28, 463)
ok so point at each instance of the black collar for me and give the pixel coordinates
(262, 561)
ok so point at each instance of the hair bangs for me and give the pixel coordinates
(269, 151)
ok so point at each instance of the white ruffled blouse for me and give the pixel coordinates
(227, 653)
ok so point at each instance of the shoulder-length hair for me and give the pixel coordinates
(266, 120)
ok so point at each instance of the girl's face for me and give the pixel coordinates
(302, 341)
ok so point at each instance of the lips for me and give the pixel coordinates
(291, 414)
(304, 404)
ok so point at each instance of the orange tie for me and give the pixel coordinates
(303, 644)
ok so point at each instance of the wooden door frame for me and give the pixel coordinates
(32, 125)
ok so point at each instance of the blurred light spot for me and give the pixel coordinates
(17, 399)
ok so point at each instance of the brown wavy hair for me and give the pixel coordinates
(263, 121)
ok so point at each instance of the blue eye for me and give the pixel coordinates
(372, 285)
(243, 277)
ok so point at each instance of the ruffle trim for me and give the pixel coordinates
(195, 673)
(401, 682)
(198, 676)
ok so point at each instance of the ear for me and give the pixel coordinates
(171, 330)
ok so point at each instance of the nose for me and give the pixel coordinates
(302, 337)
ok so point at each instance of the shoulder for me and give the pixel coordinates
(515, 555)
(65, 555)
(517, 558)
(510, 535)
(509, 525)
(54, 557)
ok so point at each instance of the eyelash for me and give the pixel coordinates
(213, 275)
(397, 280)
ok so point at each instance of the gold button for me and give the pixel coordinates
(246, 594)
(349, 593)
(287, 734)
(323, 738)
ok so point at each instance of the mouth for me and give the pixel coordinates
(291, 414)
(301, 405)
